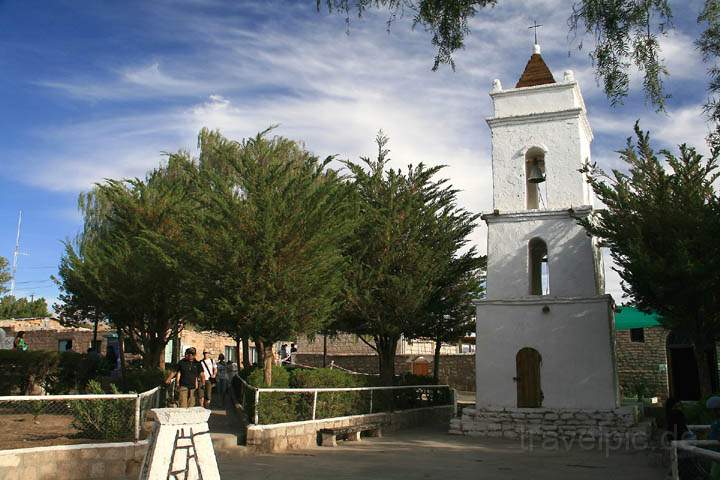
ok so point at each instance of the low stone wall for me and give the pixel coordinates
(68, 462)
(519, 423)
(303, 435)
(456, 370)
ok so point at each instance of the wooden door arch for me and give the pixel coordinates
(527, 367)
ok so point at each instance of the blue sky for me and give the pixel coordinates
(100, 89)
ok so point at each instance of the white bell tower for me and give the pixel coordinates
(545, 329)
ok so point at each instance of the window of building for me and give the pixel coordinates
(536, 190)
(65, 345)
(539, 273)
(230, 354)
(637, 335)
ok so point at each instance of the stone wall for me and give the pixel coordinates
(521, 423)
(458, 371)
(69, 462)
(643, 362)
(303, 435)
(214, 342)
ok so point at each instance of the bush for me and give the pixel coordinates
(330, 404)
(274, 407)
(103, 419)
(19, 368)
(141, 380)
(75, 370)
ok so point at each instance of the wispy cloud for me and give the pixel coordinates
(255, 64)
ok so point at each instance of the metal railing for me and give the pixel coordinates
(299, 404)
(92, 416)
(693, 458)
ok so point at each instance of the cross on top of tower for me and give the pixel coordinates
(535, 25)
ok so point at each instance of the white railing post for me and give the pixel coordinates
(371, 395)
(674, 462)
(314, 404)
(257, 405)
(137, 418)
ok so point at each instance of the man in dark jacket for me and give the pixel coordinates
(188, 377)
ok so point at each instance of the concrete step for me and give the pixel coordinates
(227, 443)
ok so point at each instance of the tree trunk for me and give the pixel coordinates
(121, 348)
(324, 350)
(436, 361)
(704, 372)
(154, 355)
(386, 348)
(95, 327)
(246, 353)
(268, 364)
(260, 349)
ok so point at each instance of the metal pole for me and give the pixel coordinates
(371, 395)
(674, 462)
(314, 404)
(454, 401)
(257, 405)
(137, 418)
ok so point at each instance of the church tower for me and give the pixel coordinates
(545, 329)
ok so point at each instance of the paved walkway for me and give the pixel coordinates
(427, 454)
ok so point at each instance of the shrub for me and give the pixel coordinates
(274, 407)
(142, 380)
(75, 370)
(330, 404)
(103, 419)
(20, 368)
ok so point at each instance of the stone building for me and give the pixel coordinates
(653, 362)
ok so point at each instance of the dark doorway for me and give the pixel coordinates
(683, 376)
(527, 364)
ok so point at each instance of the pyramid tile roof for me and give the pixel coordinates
(536, 73)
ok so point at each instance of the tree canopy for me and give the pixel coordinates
(662, 224)
(5, 275)
(129, 262)
(11, 307)
(275, 221)
(409, 230)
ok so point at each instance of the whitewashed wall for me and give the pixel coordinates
(574, 339)
(571, 263)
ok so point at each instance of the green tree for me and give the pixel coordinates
(662, 224)
(130, 262)
(450, 313)
(11, 307)
(5, 275)
(624, 34)
(275, 218)
(399, 253)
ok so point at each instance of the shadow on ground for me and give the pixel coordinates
(433, 454)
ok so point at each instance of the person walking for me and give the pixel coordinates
(222, 383)
(187, 377)
(209, 370)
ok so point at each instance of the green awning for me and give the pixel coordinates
(630, 317)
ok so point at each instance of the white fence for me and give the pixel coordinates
(120, 408)
(361, 404)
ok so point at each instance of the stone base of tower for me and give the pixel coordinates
(619, 426)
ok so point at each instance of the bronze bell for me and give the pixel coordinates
(536, 175)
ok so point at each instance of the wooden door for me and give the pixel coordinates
(421, 368)
(527, 364)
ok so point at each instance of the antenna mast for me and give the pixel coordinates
(16, 254)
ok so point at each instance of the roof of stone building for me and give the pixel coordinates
(536, 73)
(31, 324)
(627, 318)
